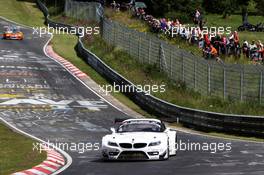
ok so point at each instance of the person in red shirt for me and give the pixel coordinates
(207, 40)
(236, 38)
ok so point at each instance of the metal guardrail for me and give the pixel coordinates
(233, 82)
(203, 120)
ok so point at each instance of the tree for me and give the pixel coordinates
(259, 6)
(224, 7)
(228, 7)
(181, 8)
(244, 9)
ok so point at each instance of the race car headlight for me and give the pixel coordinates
(112, 144)
(155, 143)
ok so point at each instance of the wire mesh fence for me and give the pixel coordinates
(228, 81)
(83, 10)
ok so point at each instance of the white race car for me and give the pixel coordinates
(139, 139)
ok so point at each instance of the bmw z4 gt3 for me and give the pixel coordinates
(139, 139)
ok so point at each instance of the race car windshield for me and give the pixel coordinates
(140, 127)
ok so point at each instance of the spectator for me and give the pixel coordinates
(163, 24)
(223, 44)
(206, 40)
(245, 48)
(132, 3)
(234, 38)
(253, 51)
(213, 52)
(260, 50)
(115, 6)
(206, 51)
(194, 36)
(177, 22)
(216, 41)
(201, 41)
(210, 52)
(197, 16)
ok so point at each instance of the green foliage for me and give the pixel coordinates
(55, 6)
(224, 7)
(188, 7)
(177, 15)
(260, 6)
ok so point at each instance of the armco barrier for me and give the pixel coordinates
(204, 120)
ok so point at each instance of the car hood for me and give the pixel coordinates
(137, 137)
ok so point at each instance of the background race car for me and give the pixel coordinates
(12, 33)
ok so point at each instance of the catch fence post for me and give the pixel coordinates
(260, 87)
(182, 67)
(224, 88)
(149, 50)
(209, 79)
(241, 84)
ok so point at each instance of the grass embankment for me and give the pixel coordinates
(232, 21)
(16, 151)
(25, 12)
(147, 75)
(176, 93)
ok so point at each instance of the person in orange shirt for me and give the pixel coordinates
(210, 52)
(213, 52)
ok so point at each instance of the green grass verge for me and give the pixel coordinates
(25, 12)
(232, 21)
(17, 152)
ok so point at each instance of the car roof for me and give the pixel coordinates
(151, 120)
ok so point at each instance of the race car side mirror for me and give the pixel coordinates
(113, 130)
(167, 130)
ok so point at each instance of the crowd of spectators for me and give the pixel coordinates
(212, 44)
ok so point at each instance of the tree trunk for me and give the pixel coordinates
(244, 15)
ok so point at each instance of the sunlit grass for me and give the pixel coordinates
(17, 152)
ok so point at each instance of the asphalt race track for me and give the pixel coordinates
(58, 108)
